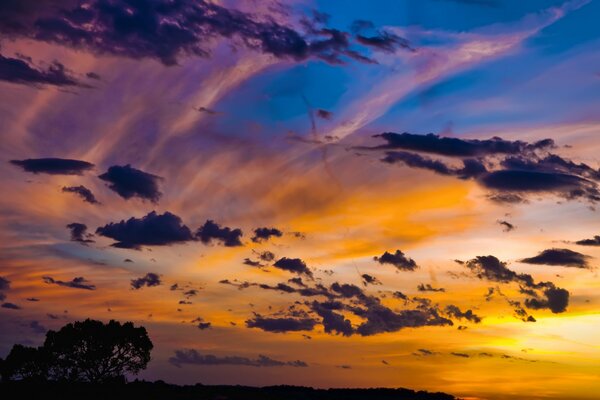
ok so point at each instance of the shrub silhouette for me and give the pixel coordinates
(88, 351)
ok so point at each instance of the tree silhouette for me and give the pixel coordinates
(25, 363)
(88, 351)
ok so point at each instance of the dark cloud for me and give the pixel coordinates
(398, 259)
(507, 168)
(295, 265)
(151, 230)
(79, 233)
(10, 306)
(471, 168)
(562, 257)
(506, 226)
(53, 166)
(324, 114)
(129, 182)
(168, 30)
(455, 147)
(266, 256)
(264, 234)
(380, 40)
(424, 352)
(83, 192)
(399, 295)
(22, 71)
(589, 242)
(370, 279)
(463, 355)
(252, 263)
(76, 283)
(280, 325)
(455, 312)
(347, 290)
(557, 300)
(93, 75)
(4, 283)
(150, 279)
(193, 357)
(38, 328)
(384, 41)
(506, 198)
(212, 231)
(204, 325)
(541, 294)
(333, 322)
(428, 288)
(380, 319)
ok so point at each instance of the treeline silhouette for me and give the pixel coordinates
(88, 351)
(90, 360)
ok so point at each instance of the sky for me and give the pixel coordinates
(321, 193)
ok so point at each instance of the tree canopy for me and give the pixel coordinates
(83, 351)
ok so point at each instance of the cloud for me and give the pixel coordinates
(168, 30)
(264, 234)
(428, 288)
(455, 147)
(324, 114)
(193, 357)
(38, 328)
(22, 71)
(151, 230)
(79, 233)
(455, 312)
(398, 259)
(76, 283)
(252, 263)
(53, 166)
(557, 300)
(212, 231)
(4, 283)
(384, 41)
(370, 279)
(379, 40)
(129, 182)
(541, 294)
(462, 355)
(380, 319)
(589, 242)
(562, 257)
(10, 306)
(83, 192)
(295, 265)
(507, 226)
(204, 325)
(471, 168)
(333, 322)
(150, 279)
(507, 168)
(280, 325)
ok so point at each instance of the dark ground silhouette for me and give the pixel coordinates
(163, 391)
(90, 360)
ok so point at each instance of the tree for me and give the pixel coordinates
(25, 363)
(96, 352)
(88, 351)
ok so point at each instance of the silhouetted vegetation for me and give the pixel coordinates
(88, 351)
(89, 360)
(162, 391)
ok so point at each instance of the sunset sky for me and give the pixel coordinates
(312, 192)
